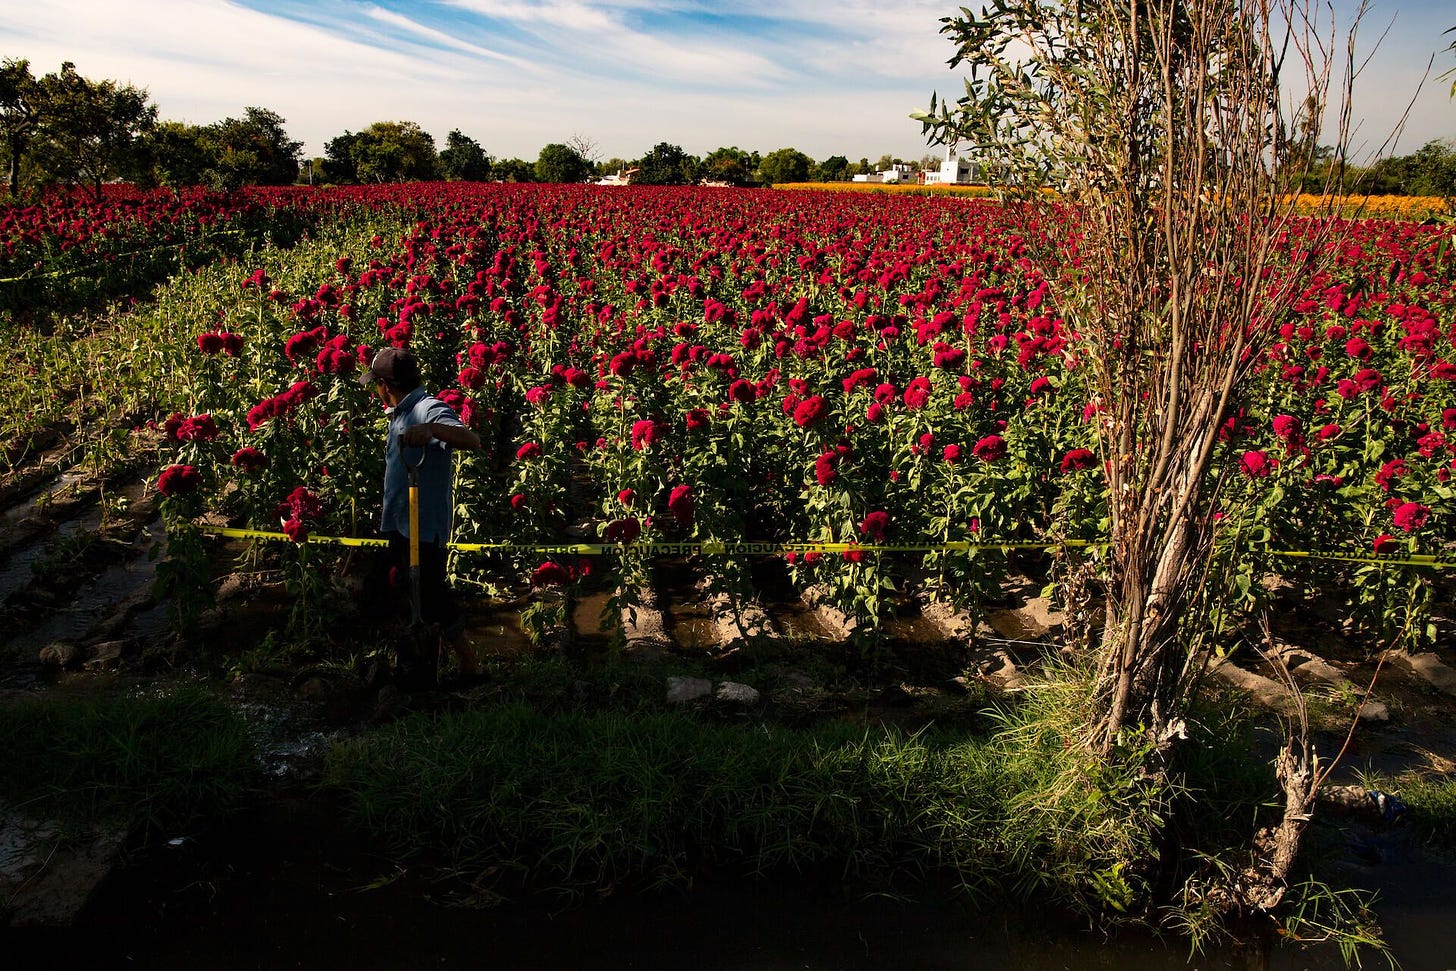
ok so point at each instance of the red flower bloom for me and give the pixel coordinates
(808, 411)
(296, 530)
(198, 428)
(209, 343)
(623, 530)
(680, 504)
(951, 453)
(1411, 516)
(875, 524)
(1078, 459)
(249, 460)
(1256, 464)
(1389, 472)
(918, 393)
(626, 497)
(530, 450)
(1384, 544)
(697, 418)
(645, 434)
(990, 448)
(179, 480)
(1287, 428)
(550, 575)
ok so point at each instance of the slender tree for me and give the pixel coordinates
(1163, 128)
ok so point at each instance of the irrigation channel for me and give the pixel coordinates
(283, 883)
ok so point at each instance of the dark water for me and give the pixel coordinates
(288, 887)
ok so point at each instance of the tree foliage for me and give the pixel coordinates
(784, 165)
(386, 151)
(89, 130)
(731, 165)
(513, 170)
(252, 150)
(561, 163)
(462, 159)
(19, 116)
(666, 165)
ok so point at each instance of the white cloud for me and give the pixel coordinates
(762, 74)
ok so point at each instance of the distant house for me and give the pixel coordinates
(954, 170)
(621, 177)
(897, 173)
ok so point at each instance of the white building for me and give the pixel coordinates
(954, 170)
(899, 172)
(621, 177)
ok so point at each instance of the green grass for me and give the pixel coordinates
(1433, 810)
(165, 761)
(608, 788)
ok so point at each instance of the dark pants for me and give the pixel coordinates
(387, 588)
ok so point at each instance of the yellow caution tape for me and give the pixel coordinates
(709, 548)
(1408, 559)
(752, 548)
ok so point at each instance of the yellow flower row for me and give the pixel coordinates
(1354, 207)
(1381, 207)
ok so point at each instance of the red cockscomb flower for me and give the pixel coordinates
(680, 504)
(875, 524)
(990, 448)
(249, 460)
(1078, 459)
(1411, 516)
(1256, 464)
(179, 480)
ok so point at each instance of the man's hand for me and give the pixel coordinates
(417, 435)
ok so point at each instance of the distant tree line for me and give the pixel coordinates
(64, 128)
(1428, 171)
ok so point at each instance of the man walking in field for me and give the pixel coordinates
(422, 430)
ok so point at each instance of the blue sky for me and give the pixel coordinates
(826, 78)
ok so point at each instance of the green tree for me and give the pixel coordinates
(89, 129)
(514, 170)
(175, 154)
(339, 164)
(462, 159)
(19, 116)
(252, 150)
(386, 151)
(731, 165)
(561, 163)
(784, 165)
(835, 168)
(1429, 171)
(666, 165)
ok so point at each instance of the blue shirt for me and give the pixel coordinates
(435, 469)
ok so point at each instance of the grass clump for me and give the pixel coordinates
(1432, 805)
(602, 798)
(161, 762)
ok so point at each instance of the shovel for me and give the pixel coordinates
(417, 638)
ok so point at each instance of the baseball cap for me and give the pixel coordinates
(395, 366)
